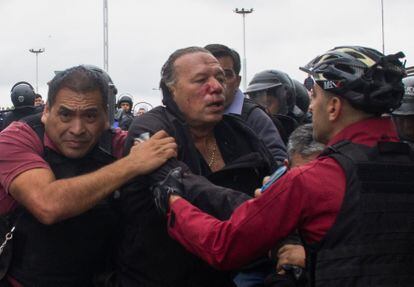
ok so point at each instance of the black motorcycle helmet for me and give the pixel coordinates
(368, 79)
(22, 95)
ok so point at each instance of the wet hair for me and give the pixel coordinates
(301, 141)
(220, 51)
(168, 75)
(79, 79)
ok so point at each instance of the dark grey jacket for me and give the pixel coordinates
(147, 256)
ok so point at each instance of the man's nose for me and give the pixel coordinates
(215, 86)
(77, 126)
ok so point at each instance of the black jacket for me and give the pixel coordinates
(147, 255)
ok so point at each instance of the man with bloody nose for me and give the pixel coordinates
(218, 152)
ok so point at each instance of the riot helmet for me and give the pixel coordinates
(407, 104)
(22, 95)
(302, 96)
(111, 86)
(112, 90)
(277, 84)
(263, 81)
(125, 98)
(403, 117)
(368, 79)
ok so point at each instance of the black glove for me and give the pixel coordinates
(295, 276)
(172, 184)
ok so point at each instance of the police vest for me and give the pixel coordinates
(71, 252)
(19, 113)
(372, 240)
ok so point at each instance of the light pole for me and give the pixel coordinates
(105, 33)
(243, 12)
(37, 52)
(382, 25)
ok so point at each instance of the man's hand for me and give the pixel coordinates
(164, 190)
(258, 191)
(150, 154)
(290, 254)
(51, 200)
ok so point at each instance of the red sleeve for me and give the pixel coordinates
(20, 150)
(254, 227)
(258, 224)
(118, 142)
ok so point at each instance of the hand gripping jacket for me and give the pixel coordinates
(172, 184)
(71, 252)
(371, 242)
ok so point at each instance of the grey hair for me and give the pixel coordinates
(168, 75)
(301, 141)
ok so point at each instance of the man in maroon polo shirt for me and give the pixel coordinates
(352, 205)
(59, 170)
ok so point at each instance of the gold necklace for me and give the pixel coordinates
(212, 155)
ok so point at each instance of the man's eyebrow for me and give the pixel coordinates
(67, 109)
(200, 74)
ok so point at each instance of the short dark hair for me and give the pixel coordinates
(38, 96)
(78, 79)
(219, 51)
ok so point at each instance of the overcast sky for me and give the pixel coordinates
(280, 34)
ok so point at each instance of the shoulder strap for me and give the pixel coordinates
(34, 121)
(105, 142)
(347, 149)
(362, 153)
(248, 107)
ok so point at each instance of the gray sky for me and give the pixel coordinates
(280, 34)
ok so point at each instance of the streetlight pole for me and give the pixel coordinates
(382, 25)
(243, 12)
(37, 52)
(105, 33)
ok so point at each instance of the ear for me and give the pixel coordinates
(334, 107)
(172, 90)
(107, 124)
(286, 163)
(45, 114)
(238, 80)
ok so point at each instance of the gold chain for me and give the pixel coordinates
(212, 155)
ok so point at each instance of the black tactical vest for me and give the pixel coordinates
(73, 251)
(372, 240)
